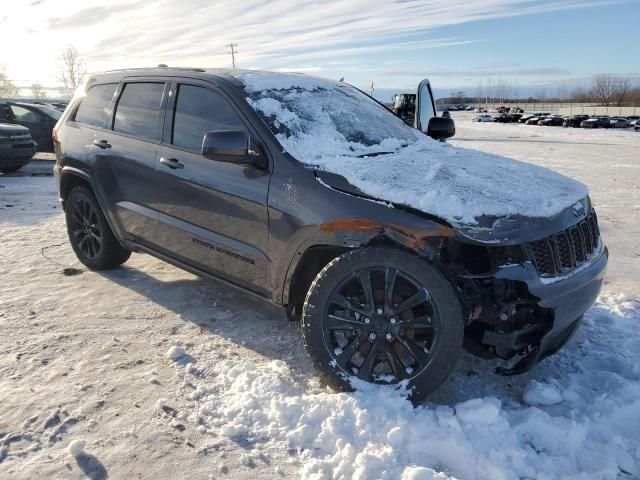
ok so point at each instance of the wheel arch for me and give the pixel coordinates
(342, 235)
(71, 178)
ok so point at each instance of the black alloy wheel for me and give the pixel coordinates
(90, 235)
(85, 228)
(382, 315)
(381, 326)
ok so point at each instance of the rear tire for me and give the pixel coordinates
(89, 233)
(357, 322)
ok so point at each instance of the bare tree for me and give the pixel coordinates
(478, 93)
(502, 90)
(621, 90)
(634, 96)
(72, 70)
(603, 89)
(8, 89)
(37, 92)
(562, 92)
(580, 95)
(541, 94)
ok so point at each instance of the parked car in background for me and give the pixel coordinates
(16, 147)
(526, 118)
(515, 117)
(633, 118)
(636, 127)
(39, 119)
(619, 122)
(574, 121)
(502, 118)
(633, 123)
(483, 118)
(534, 120)
(553, 121)
(480, 110)
(598, 122)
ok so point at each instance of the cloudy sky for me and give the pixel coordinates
(457, 44)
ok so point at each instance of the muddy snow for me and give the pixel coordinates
(149, 372)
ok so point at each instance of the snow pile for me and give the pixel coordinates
(538, 393)
(176, 352)
(594, 433)
(331, 126)
(76, 447)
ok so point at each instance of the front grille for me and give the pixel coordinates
(560, 253)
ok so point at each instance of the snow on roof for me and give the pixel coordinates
(256, 81)
(329, 126)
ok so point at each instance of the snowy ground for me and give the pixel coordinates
(90, 357)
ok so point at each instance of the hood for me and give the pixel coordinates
(473, 191)
(11, 128)
(335, 128)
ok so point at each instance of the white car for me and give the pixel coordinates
(483, 118)
(619, 122)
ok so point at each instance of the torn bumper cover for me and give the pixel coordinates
(567, 298)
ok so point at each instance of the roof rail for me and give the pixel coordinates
(161, 66)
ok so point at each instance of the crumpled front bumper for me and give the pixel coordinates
(567, 297)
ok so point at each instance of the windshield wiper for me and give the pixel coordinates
(373, 154)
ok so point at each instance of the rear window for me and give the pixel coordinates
(94, 105)
(138, 109)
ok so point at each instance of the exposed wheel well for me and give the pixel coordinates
(69, 182)
(313, 260)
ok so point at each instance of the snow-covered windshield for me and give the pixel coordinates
(328, 120)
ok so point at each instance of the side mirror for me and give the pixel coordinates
(440, 128)
(233, 147)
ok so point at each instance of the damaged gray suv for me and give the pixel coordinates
(394, 249)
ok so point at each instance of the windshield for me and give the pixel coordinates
(330, 120)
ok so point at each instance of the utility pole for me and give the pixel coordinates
(233, 51)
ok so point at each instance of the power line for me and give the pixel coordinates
(233, 51)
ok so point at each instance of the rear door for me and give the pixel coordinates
(36, 122)
(125, 155)
(213, 213)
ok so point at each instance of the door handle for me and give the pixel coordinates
(172, 163)
(102, 144)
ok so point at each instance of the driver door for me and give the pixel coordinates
(212, 214)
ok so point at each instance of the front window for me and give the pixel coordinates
(329, 120)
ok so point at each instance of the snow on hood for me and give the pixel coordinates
(333, 127)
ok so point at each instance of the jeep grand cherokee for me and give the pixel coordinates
(392, 248)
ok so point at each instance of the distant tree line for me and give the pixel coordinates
(605, 90)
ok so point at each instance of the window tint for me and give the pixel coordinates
(138, 109)
(93, 107)
(198, 111)
(24, 114)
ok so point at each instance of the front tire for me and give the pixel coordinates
(382, 315)
(89, 233)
